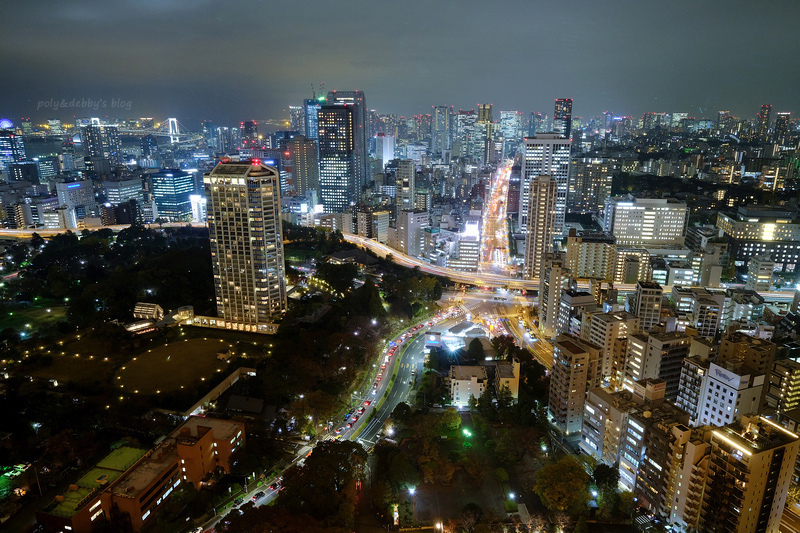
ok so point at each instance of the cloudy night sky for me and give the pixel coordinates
(239, 60)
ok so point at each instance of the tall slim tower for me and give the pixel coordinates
(244, 226)
(546, 154)
(310, 110)
(762, 121)
(406, 170)
(541, 223)
(303, 152)
(356, 101)
(782, 127)
(562, 117)
(337, 182)
(440, 138)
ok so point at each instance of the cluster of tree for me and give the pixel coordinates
(319, 495)
(408, 291)
(102, 276)
(323, 242)
(339, 278)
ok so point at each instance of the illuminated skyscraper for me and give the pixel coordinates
(562, 117)
(546, 154)
(355, 100)
(310, 110)
(440, 135)
(337, 182)
(589, 184)
(303, 152)
(249, 133)
(782, 127)
(762, 121)
(102, 141)
(12, 148)
(171, 191)
(485, 113)
(406, 170)
(541, 223)
(244, 227)
(297, 119)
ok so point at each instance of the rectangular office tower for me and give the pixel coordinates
(355, 101)
(546, 154)
(562, 117)
(337, 184)
(244, 226)
(541, 222)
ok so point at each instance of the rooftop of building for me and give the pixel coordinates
(618, 316)
(460, 372)
(112, 466)
(756, 434)
(252, 168)
(505, 370)
(195, 426)
(146, 471)
(753, 342)
(649, 285)
(574, 344)
(762, 214)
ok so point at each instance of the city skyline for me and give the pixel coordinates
(405, 58)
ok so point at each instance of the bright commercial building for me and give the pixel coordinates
(246, 244)
(644, 221)
(546, 154)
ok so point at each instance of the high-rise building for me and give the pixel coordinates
(12, 149)
(590, 254)
(244, 227)
(440, 134)
(562, 117)
(759, 273)
(406, 171)
(749, 471)
(120, 191)
(783, 393)
(171, 191)
(303, 152)
(355, 100)
(573, 306)
(576, 370)
(310, 121)
(602, 329)
(337, 182)
(589, 184)
(640, 221)
(762, 122)
(546, 154)
(24, 171)
(782, 121)
(554, 278)
(384, 149)
(541, 224)
(373, 224)
(410, 226)
(511, 128)
(485, 113)
(656, 355)
(102, 141)
(297, 120)
(249, 131)
(647, 304)
(149, 145)
(762, 230)
(719, 393)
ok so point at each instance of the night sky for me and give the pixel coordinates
(233, 61)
